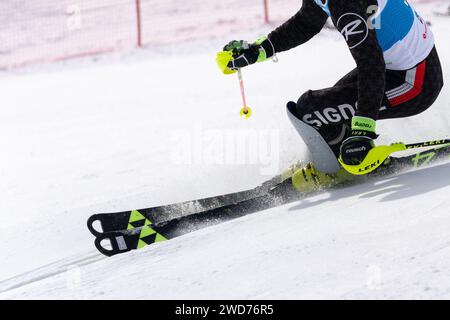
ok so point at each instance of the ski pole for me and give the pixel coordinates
(246, 111)
(427, 144)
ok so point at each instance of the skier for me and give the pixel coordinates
(398, 73)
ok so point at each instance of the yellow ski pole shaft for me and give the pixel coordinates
(246, 111)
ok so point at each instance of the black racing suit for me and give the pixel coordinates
(376, 89)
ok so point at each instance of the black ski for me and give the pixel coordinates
(127, 220)
(136, 238)
(138, 228)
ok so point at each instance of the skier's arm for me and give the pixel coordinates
(304, 25)
(352, 20)
(297, 30)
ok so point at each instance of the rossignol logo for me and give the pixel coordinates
(329, 115)
(354, 29)
(351, 29)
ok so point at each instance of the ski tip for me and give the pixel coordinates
(373, 159)
(90, 224)
(112, 243)
(103, 250)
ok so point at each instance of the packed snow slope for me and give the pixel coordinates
(110, 134)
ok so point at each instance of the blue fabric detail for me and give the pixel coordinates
(323, 5)
(396, 20)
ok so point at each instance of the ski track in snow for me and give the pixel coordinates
(97, 135)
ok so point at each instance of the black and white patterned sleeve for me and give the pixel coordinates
(304, 25)
(352, 20)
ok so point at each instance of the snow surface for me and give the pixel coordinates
(111, 133)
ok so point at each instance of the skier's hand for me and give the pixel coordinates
(355, 148)
(239, 53)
